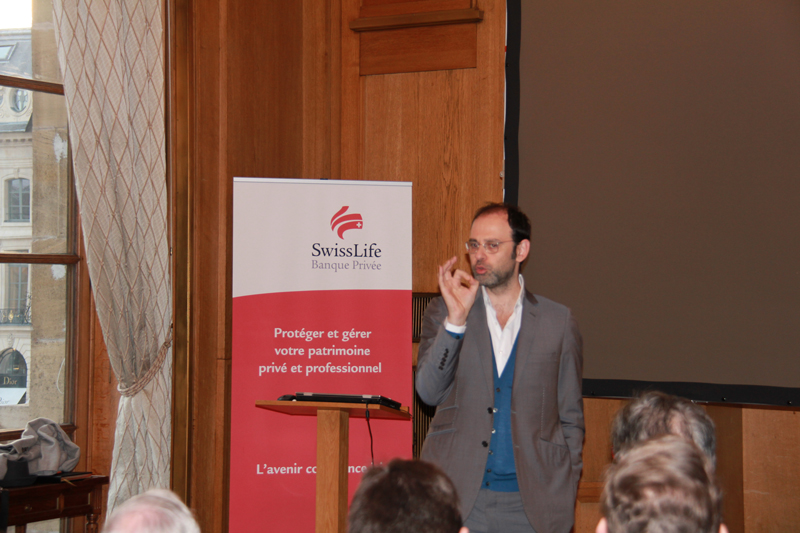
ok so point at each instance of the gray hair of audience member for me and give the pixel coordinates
(654, 413)
(662, 485)
(154, 511)
(405, 497)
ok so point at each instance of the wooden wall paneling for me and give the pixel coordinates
(419, 49)
(415, 131)
(391, 140)
(82, 376)
(262, 95)
(94, 384)
(208, 481)
(383, 8)
(443, 131)
(730, 462)
(413, 19)
(392, 129)
(352, 96)
(468, 172)
(490, 104)
(98, 399)
(222, 410)
(487, 83)
(317, 84)
(264, 51)
(598, 415)
(335, 84)
(105, 404)
(449, 138)
(179, 139)
(771, 469)
(587, 507)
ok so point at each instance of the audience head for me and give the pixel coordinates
(405, 497)
(155, 511)
(654, 413)
(662, 485)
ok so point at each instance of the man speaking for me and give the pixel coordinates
(504, 368)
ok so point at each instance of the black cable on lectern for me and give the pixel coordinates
(371, 452)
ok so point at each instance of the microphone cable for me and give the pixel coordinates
(369, 427)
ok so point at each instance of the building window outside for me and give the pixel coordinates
(19, 100)
(13, 377)
(39, 259)
(18, 200)
(17, 291)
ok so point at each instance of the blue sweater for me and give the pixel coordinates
(501, 472)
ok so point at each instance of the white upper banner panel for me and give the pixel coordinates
(288, 237)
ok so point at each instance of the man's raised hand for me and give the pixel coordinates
(458, 290)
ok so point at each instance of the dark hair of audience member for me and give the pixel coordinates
(405, 497)
(662, 485)
(654, 413)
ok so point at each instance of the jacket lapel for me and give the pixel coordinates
(483, 341)
(527, 334)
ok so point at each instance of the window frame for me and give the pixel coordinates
(79, 310)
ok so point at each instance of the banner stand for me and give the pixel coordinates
(321, 288)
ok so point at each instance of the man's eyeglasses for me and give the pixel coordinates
(491, 247)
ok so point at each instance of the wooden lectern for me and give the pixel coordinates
(333, 432)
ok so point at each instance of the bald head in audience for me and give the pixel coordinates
(654, 413)
(405, 497)
(661, 485)
(155, 511)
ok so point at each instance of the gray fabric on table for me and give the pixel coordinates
(44, 446)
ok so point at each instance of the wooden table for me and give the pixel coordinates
(48, 501)
(332, 447)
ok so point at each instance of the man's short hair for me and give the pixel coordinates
(654, 413)
(662, 485)
(517, 220)
(405, 497)
(155, 511)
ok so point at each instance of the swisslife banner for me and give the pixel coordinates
(321, 303)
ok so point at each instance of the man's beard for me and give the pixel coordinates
(492, 279)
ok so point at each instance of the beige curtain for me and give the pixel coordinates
(111, 55)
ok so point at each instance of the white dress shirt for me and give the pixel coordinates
(502, 338)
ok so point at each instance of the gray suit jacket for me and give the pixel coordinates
(546, 406)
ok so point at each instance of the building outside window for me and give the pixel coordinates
(17, 291)
(38, 229)
(13, 377)
(18, 200)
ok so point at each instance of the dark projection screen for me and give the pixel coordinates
(658, 154)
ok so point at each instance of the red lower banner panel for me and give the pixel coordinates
(341, 342)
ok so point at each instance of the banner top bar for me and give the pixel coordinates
(326, 182)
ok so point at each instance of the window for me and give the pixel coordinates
(17, 291)
(44, 304)
(39, 260)
(18, 200)
(13, 377)
(19, 100)
(5, 51)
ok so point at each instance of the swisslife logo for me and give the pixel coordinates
(355, 256)
(341, 221)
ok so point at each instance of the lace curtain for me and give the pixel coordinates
(111, 55)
